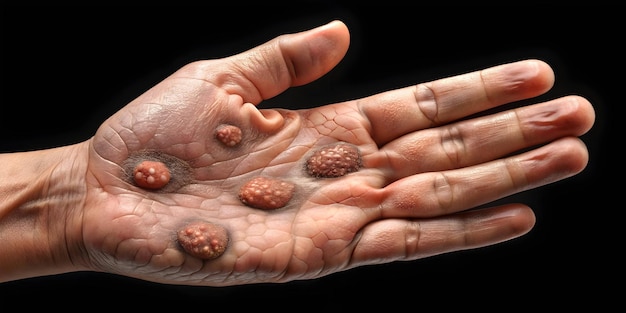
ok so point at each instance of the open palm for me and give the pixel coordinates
(421, 166)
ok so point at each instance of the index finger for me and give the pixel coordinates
(398, 112)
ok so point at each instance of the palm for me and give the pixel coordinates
(136, 225)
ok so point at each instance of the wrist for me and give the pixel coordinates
(41, 196)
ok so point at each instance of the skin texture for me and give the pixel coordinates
(203, 240)
(151, 175)
(229, 135)
(429, 162)
(266, 193)
(334, 161)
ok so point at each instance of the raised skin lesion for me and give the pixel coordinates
(156, 171)
(334, 160)
(266, 193)
(229, 135)
(151, 175)
(203, 240)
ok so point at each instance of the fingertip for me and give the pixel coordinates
(523, 218)
(313, 53)
(336, 25)
(501, 223)
(518, 80)
(558, 160)
(586, 112)
(337, 35)
(538, 75)
(575, 154)
(545, 73)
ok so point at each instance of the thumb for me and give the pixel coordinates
(287, 60)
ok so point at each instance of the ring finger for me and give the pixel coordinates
(439, 193)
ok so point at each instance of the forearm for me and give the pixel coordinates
(40, 193)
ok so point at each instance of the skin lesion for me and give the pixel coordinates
(228, 135)
(266, 193)
(156, 171)
(203, 240)
(151, 175)
(334, 160)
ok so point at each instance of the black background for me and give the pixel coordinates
(66, 69)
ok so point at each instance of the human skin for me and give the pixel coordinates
(424, 169)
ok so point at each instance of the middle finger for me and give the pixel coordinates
(482, 139)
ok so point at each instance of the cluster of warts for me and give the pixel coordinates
(207, 240)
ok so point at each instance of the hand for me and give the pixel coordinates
(421, 158)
